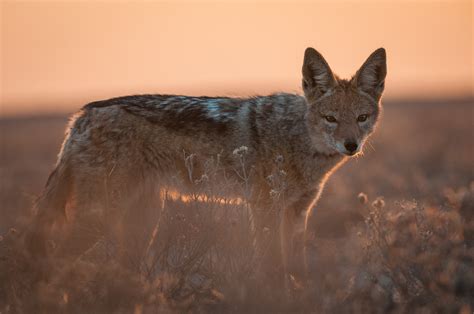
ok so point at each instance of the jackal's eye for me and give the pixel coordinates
(362, 118)
(331, 119)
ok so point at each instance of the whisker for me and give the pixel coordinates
(370, 144)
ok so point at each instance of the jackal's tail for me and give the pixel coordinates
(49, 206)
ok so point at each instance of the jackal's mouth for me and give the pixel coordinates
(347, 150)
(351, 153)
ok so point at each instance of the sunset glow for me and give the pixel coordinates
(56, 56)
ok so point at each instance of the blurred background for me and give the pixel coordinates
(58, 55)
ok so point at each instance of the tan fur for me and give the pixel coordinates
(119, 152)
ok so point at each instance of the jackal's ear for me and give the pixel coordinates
(317, 75)
(371, 76)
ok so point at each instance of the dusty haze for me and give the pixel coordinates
(394, 228)
(56, 56)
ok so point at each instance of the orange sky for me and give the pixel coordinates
(56, 56)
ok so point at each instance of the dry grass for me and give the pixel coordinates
(410, 251)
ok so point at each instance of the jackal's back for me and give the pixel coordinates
(157, 132)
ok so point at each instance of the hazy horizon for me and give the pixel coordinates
(57, 56)
(252, 211)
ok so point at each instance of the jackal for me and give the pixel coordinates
(118, 151)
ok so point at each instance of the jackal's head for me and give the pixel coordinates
(342, 113)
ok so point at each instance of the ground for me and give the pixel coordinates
(405, 244)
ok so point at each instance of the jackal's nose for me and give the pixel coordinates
(351, 147)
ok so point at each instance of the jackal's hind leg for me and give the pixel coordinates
(50, 207)
(86, 223)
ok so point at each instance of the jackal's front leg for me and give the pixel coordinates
(293, 224)
(286, 241)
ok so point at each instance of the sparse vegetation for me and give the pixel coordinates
(404, 245)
